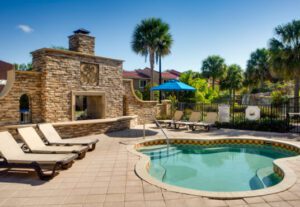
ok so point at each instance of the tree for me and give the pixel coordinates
(213, 67)
(189, 75)
(147, 93)
(151, 38)
(233, 80)
(59, 47)
(248, 80)
(23, 66)
(285, 55)
(258, 67)
(164, 48)
(203, 93)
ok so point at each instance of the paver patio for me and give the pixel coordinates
(106, 178)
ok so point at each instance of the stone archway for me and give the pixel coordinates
(25, 109)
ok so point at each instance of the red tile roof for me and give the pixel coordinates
(175, 72)
(146, 74)
(134, 75)
(168, 75)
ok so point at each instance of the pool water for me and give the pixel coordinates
(221, 168)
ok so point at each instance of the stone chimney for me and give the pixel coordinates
(81, 42)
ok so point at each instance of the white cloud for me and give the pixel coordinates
(25, 28)
(3, 82)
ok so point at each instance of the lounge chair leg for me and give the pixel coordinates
(93, 147)
(67, 166)
(44, 176)
(81, 155)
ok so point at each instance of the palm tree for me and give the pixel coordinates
(188, 76)
(285, 55)
(233, 80)
(164, 48)
(151, 38)
(258, 67)
(213, 67)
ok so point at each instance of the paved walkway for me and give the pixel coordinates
(106, 178)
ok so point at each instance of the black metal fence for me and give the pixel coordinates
(293, 115)
(283, 117)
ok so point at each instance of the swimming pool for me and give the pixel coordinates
(222, 167)
(216, 168)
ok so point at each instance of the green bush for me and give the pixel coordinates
(261, 125)
(146, 92)
(174, 102)
(278, 97)
(139, 94)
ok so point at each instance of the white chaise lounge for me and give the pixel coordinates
(54, 138)
(177, 117)
(14, 157)
(36, 145)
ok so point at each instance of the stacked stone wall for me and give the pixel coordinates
(145, 110)
(26, 82)
(79, 128)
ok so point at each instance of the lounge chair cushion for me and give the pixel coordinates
(177, 117)
(42, 159)
(211, 117)
(194, 118)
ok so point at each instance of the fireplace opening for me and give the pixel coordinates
(89, 107)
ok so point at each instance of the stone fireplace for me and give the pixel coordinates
(88, 105)
(60, 77)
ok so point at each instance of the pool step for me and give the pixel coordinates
(159, 155)
(161, 152)
(158, 148)
(265, 176)
(151, 148)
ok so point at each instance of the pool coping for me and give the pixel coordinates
(289, 179)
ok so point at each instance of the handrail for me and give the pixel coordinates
(164, 133)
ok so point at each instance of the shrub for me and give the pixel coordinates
(139, 94)
(146, 92)
(261, 125)
(278, 97)
(174, 102)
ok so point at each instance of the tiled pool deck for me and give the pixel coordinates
(106, 178)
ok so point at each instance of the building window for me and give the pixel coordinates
(143, 83)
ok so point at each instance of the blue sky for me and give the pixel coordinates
(230, 28)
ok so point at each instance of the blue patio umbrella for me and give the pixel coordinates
(173, 85)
